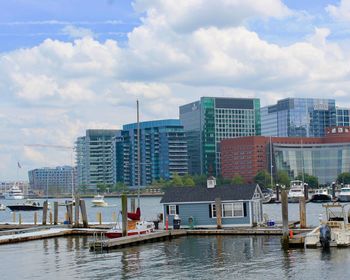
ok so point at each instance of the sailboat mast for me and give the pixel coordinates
(271, 161)
(138, 155)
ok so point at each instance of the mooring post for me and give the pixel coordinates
(278, 192)
(99, 218)
(35, 218)
(124, 199)
(333, 191)
(302, 212)
(76, 211)
(218, 212)
(306, 191)
(84, 213)
(50, 217)
(132, 204)
(45, 212)
(14, 217)
(55, 213)
(285, 229)
(19, 218)
(69, 208)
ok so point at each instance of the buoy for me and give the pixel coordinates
(291, 234)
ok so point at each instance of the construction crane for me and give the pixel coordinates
(71, 148)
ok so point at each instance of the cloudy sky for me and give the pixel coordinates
(70, 65)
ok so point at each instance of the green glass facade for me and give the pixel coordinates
(211, 119)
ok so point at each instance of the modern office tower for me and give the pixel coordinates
(211, 119)
(343, 115)
(94, 156)
(298, 117)
(58, 180)
(163, 152)
(324, 157)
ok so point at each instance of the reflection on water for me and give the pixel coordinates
(192, 257)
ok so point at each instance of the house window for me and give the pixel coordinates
(172, 210)
(229, 210)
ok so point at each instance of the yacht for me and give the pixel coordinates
(28, 205)
(2, 207)
(99, 201)
(14, 193)
(344, 195)
(321, 196)
(296, 191)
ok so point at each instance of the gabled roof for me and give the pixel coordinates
(197, 194)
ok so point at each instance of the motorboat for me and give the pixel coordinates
(269, 196)
(334, 231)
(2, 207)
(137, 228)
(296, 191)
(14, 193)
(344, 195)
(28, 205)
(321, 196)
(98, 201)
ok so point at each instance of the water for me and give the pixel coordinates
(192, 257)
(209, 257)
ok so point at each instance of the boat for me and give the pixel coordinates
(269, 196)
(344, 195)
(138, 228)
(296, 191)
(14, 193)
(321, 196)
(98, 201)
(334, 231)
(28, 205)
(2, 207)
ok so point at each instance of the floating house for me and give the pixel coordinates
(241, 205)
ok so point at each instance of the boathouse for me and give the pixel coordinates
(241, 205)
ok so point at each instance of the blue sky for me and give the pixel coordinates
(67, 66)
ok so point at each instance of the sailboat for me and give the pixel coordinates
(135, 226)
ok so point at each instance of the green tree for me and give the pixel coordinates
(312, 181)
(283, 178)
(120, 187)
(200, 180)
(101, 187)
(176, 181)
(263, 179)
(343, 178)
(221, 181)
(188, 181)
(237, 180)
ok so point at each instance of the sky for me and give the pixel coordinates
(71, 65)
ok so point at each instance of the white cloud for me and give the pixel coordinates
(77, 32)
(341, 11)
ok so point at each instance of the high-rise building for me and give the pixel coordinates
(343, 115)
(56, 180)
(163, 152)
(94, 156)
(298, 117)
(211, 119)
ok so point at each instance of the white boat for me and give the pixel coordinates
(140, 227)
(28, 205)
(2, 207)
(98, 201)
(321, 196)
(334, 231)
(296, 191)
(344, 195)
(14, 193)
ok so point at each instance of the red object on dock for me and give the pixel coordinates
(166, 223)
(135, 216)
(291, 234)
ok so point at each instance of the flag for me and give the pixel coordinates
(19, 166)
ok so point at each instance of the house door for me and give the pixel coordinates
(257, 215)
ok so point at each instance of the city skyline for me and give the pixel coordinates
(64, 71)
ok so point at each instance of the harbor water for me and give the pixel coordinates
(192, 257)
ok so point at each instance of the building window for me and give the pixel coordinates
(229, 210)
(172, 210)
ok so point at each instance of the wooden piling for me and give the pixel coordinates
(99, 218)
(277, 193)
(14, 217)
(333, 191)
(306, 191)
(50, 217)
(124, 199)
(45, 212)
(76, 211)
(19, 218)
(285, 228)
(35, 218)
(55, 213)
(69, 208)
(218, 212)
(302, 212)
(84, 213)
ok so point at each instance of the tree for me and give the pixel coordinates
(221, 181)
(312, 181)
(343, 178)
(237, 180)
(101, 187)
(200, 180)
(188, 181)
(176, 181)
(263, 179)
(283, 178)
(120, 187)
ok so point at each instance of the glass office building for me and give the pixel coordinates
(343, 115)
(94, 157)
(298, 117)
(163, 152)
(211, 119)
